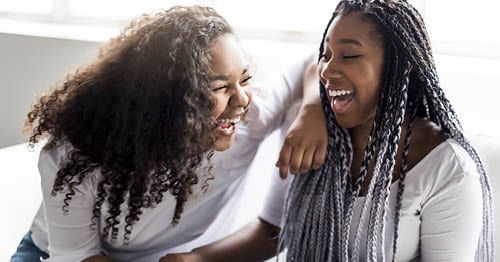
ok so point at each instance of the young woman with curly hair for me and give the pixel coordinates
(129, 171)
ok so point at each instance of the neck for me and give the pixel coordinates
(359, 135)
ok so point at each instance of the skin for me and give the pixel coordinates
(257, 240)
(304, 150)
(301, 151)
(98, 259)
(230, 86)
(353, 60)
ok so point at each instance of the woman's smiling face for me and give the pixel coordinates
(230, 84)
(351, 69)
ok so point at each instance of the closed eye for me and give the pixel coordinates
(350, 56)
(216, 89)
(246, 79)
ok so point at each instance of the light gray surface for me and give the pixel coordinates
(29, 65)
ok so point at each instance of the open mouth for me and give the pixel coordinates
(226, 126)
(340, 99)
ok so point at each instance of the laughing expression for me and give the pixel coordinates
(350, 69)
(230, 84)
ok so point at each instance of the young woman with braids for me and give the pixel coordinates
(129, 171)
(400, 182)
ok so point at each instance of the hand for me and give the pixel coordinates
(182, 257)
(305, 142)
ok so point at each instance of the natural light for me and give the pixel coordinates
(277, 33)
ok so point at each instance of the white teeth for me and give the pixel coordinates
(334, 93)
(232, 121)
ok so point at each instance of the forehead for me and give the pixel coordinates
(353, 25)
(227, 56)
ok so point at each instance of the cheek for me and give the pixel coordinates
(249, 94)
(371, 79)
(220, 104)
(369, 90)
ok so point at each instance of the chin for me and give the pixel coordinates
(223, 145)
(345, 123)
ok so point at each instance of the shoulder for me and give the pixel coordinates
(52, 159)
(450, 155)
(438, 158)
(447, 168)
(460, 157)
(428, 140)
(425, 137)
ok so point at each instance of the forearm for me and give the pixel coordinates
(310, 86)
(99, 258)
(305, 148)
(257, 241)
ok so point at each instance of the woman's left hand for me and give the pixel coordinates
(305, 143)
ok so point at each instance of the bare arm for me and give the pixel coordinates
(97, 259)
(307, 138)
(257, 241)
(310, 83)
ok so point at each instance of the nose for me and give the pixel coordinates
(241, 97)
(331, 70)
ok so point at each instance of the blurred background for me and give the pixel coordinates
(43, 40)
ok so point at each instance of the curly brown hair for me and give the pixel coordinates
(141, 115)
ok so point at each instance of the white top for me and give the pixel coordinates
(441, 212)
(206, 216)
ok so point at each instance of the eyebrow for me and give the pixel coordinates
(347, 41)
(225, 77)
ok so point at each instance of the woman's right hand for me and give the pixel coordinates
(182, 257)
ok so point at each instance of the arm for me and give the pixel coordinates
(70, 235)
(307, 138)
(97, 259)
(254, 242)
(257, 241)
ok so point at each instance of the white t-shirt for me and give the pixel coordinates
(441, 214)
(207, 216)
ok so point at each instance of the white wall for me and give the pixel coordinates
(29, 65)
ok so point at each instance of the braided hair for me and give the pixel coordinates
(320, 206)
(140, 115)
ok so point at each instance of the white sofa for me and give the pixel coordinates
(20, 191)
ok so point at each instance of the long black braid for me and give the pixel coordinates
(319, 207)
